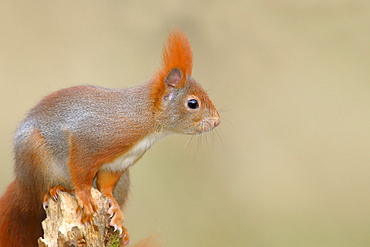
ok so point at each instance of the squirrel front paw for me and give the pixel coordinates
(117, 219)
(124, 237)
(86, 206)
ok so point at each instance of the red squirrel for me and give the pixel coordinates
(85, 136)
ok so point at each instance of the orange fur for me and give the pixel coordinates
(23, 226)
(177, 53)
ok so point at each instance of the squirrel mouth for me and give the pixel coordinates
(209, 124)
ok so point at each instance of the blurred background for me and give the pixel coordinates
(290, 163)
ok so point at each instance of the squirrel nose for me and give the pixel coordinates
(217, 122)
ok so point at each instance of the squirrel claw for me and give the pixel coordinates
(111, 211)
(125, 239)
(123, 235)
(119, 229)
(126, 242)
(54, 191)
(117, 222)
(45, 202)
(45, 205)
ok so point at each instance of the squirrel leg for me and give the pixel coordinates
(82, 180)
(83, 169)
(106, 181)
(86, 203)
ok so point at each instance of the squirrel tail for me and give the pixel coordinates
(21, 214)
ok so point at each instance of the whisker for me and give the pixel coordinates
(212, 139)
(229, 122)
(196, 150)
(188, 141)
(200, 140)
(204, 140)
(217, 131)
(209, 89)
(218, 134)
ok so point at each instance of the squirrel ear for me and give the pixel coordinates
(174, 78)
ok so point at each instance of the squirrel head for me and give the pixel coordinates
(182, 104)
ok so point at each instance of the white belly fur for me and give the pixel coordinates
(135, 153)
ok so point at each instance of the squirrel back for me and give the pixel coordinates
(82, 135)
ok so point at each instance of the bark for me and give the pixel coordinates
(63, 227)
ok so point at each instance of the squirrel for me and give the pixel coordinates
(85, 136)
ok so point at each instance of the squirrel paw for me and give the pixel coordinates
(117, 222)
(116, 218)
(125, 237)
(87, 212)
(87, 206)
(123, 234)
(53, 193)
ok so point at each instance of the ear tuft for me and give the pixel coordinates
(177, 58)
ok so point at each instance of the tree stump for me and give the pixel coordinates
(63, 227)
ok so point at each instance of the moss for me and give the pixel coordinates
(114, 240)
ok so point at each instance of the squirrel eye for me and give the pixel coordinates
(193, 104)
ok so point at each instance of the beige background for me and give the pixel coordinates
(290, 163)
